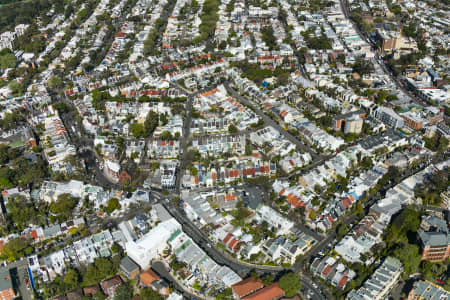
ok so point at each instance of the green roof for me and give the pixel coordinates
(174, 235)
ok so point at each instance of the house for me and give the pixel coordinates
(148, 277)
(6, 285)
(246, 287)
(109, 286)
(91, 290)
(381, 282)
(434, 239)
(286, 251)
(328, 268)
(129, 267)
(271, 292)
(274, 219)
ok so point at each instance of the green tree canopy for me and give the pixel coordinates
(72, 279)
(14, 248)
(151, 122)
(409, 256)
(137, 130)
(290, 284)
(149, 294)
(102, 268)
(123, 292)
(113, 204)
(21, 212)
(63, 207)
(55, 82)
(8, 60)
(232, 129)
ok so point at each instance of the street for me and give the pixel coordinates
(223, 258)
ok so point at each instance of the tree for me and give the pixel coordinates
(407, 221)
(137, 130)
(21, 212)
(248, 148)
(290, 284)
(63, 207)
(61, 107)
(342, 230)
(14, 248)
(283, 78)
(15, 86)
(409, 256)
(222, 45)
(116, 248)
(150, 123)
(227, 294)
(194, 171)
(268, 36)
(55, 82)
(99, 296)
(363, 67)
(113, 204)
(149, 294)
(431, 271)
(101, 268)
(209, 18)
(267, 279)
(442, 144)
(367, 163)
(123, 292)
(8, 60)
(71, 279)
(166, 136)
(232, 129)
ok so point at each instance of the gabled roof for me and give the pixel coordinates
(270, 292)
(247, 286)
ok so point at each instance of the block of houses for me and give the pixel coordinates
(381, 282)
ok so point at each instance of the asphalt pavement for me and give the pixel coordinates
(222, 258)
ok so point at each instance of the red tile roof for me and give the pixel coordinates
(247, 286)
(227, 238)
(327, 270)
(270, 292)
(343, 281)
